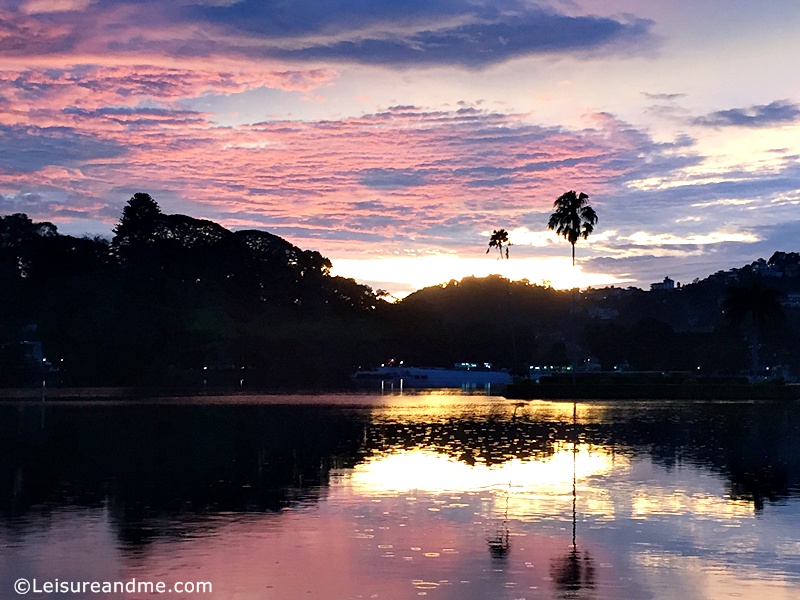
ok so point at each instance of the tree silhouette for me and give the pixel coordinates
(19, 237)
(756, 305)
(139, 219)
(17, 229)
(499, 238)
(573, 218)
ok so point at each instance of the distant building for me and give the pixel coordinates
(667, 284)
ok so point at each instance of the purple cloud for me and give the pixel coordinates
(763, 115)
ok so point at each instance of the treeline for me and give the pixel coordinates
(705, 328)
(172, 300)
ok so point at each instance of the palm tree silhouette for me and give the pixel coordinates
(758, 306)
(498, 238)
(573, 218)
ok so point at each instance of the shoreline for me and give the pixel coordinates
(138, 393)
(522, 391)
(528, 390)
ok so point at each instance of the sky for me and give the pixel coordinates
(394, 136)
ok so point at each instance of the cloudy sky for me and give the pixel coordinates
(393, 136)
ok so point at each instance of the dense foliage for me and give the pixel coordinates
(176, 301)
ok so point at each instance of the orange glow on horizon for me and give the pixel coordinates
(403, 275)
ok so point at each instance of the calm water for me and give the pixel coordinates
(437, 496)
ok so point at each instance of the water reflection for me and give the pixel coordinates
(450, 497)
(400, 470)
(574, 574)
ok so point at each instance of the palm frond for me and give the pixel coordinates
(498, 239)
(572, 218)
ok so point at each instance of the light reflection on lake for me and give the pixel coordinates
(438, 496)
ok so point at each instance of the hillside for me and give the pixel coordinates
(176, 301)
(171, 300)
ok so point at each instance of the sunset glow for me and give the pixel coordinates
(406, 274)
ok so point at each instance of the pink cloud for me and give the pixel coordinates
(115, 79)
(399, 175)
(19, 34)
(117, 85)
(31, 7)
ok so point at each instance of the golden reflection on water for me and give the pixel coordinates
(528, 487)
(429, 471)
(427, 408)
(525, 490)
(431, 406)
(655, 500)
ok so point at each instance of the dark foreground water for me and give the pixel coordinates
(446, 497)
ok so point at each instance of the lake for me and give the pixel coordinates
(434, 495)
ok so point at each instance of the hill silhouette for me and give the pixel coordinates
(173, 300)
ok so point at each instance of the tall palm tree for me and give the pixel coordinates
(499, 238)
(756, 305)
(573, 218)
